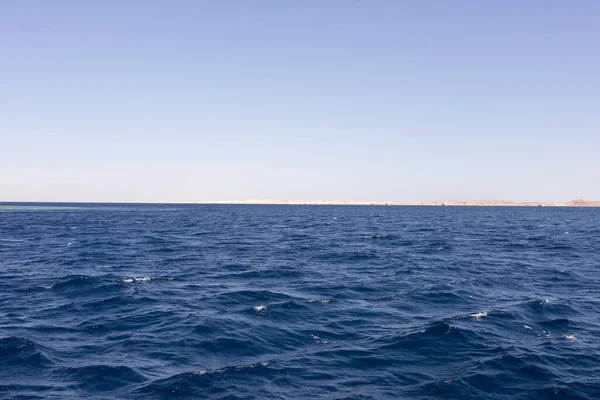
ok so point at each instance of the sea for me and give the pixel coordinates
(140, 301)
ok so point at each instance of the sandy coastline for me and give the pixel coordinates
(480, 203)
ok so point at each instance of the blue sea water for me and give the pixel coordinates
(298, 302)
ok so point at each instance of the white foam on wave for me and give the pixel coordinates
(479, 315)
(553, 336)
(138, 279)
(201, 372)
(544, 301)
(322, 301)
(377, 236)
(319, 339)
(237, 367)
(260, 308)
(527, 327)
(259, 364)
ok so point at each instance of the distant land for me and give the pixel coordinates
(481, 203)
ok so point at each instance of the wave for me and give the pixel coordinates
(438, 336)
(558, 309)
(274, 273)
(249, 298)
(436, 296)
(101, 378)
(214, 383)
(73, 282)
(556, 323)
(19, 353)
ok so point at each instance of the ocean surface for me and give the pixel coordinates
(298, 302)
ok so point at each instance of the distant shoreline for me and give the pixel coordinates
(474, 203)
(450, 203)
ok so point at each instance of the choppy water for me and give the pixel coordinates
(299, 302)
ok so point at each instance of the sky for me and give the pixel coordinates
(194, 101)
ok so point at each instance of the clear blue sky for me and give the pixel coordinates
(162, 101)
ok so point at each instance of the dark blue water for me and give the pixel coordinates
(299, 302)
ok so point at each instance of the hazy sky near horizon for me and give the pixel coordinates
(159, 101)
